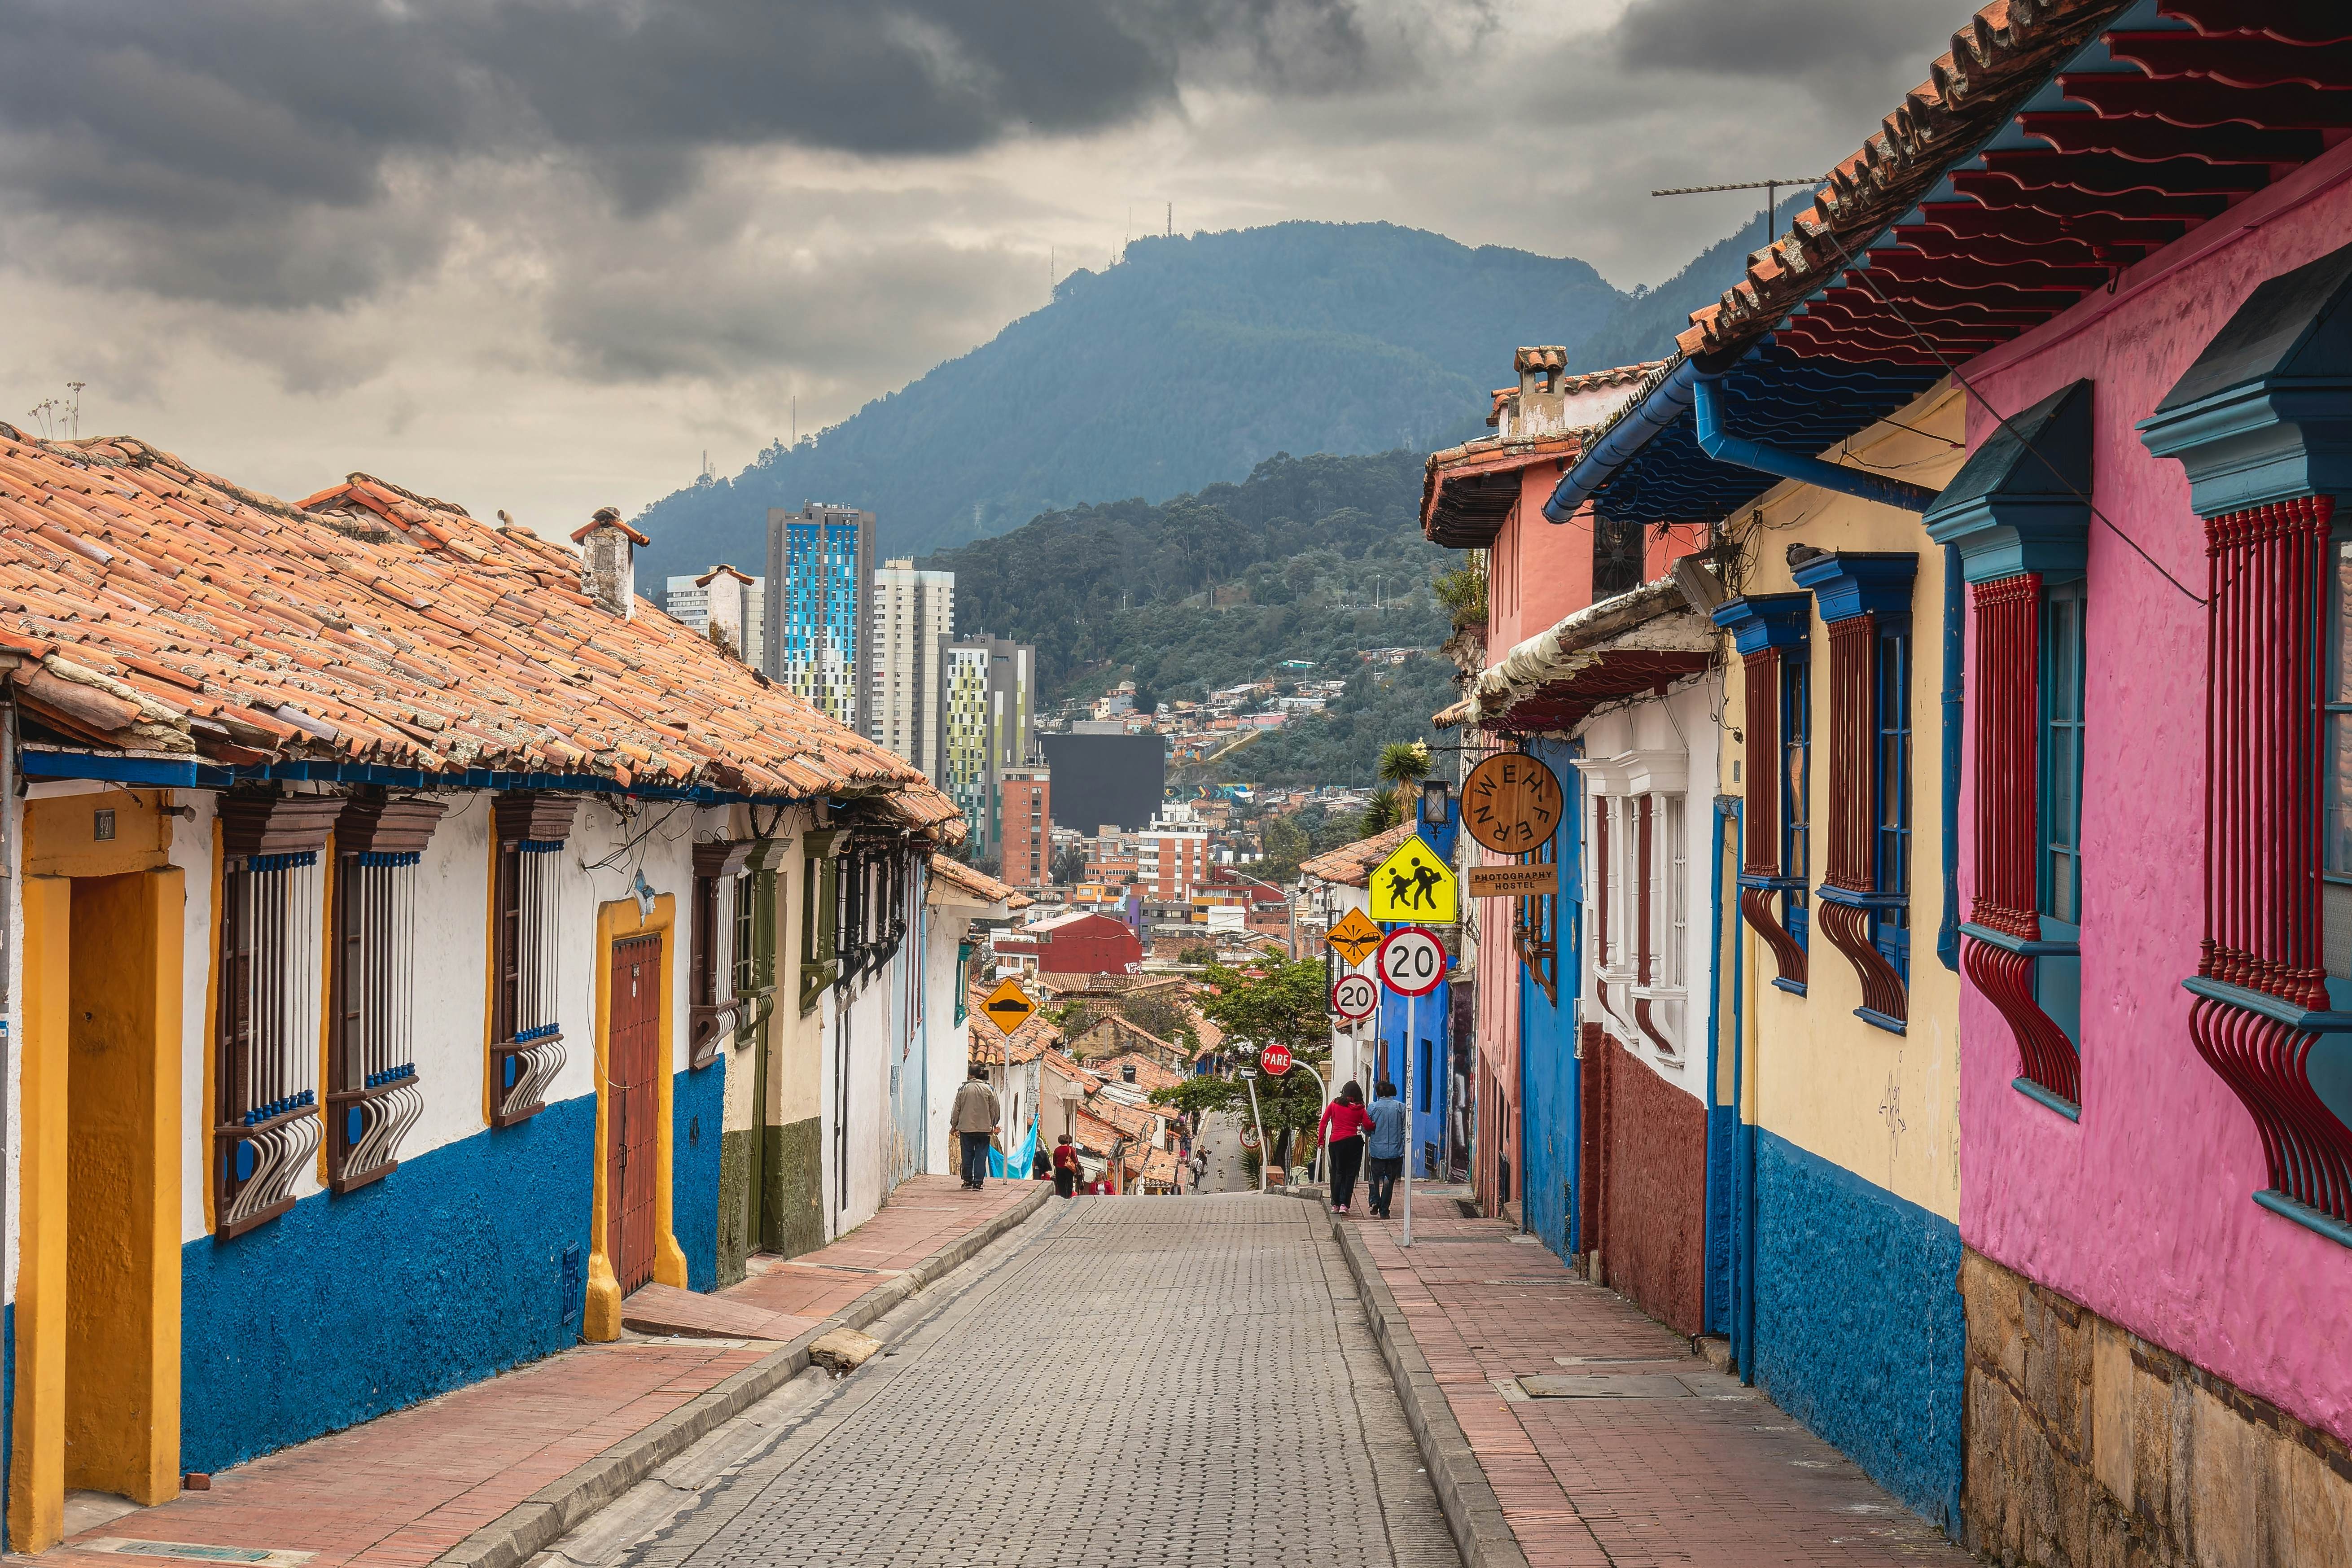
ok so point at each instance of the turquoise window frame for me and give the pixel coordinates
(1891, 771)
(2058, 862)
(1796, 790)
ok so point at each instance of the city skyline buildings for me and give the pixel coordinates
(913, 620)
(820, 591)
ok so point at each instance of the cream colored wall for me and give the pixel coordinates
(796, 1042)
(1883, 1106)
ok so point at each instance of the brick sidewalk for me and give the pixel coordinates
(399, 1490)
(1718, 1475)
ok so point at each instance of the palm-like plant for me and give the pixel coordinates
(1404, 763)
(1384, 811)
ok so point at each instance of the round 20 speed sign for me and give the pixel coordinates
(1355, 998)
(1410, 961)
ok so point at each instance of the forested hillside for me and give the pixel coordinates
(1308, 558)
(1183, 365)
(1643, 327)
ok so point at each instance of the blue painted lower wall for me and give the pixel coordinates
(7, 1410)
(697, 1115)
(447, 1270)
(1859, 1331)
(1548, 1131)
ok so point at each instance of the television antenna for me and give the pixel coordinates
(1771, 189)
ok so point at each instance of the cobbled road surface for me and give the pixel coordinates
(1142, 1382)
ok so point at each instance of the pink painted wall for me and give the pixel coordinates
(1537, 574)
(2143, 1212)
(1497, 1003)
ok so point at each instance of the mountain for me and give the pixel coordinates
(1643, 324)
(1182, 366)
(1308, 558)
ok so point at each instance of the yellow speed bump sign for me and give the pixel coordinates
(1415, 886)
(1008, 1007)
(1354, 938)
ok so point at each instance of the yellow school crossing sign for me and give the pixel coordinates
(1413, 885)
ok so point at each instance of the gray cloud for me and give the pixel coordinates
(1841, 49)
(251, 119)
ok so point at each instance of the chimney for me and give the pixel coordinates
(608, 567)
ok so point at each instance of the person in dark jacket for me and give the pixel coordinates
(1342, 1136)
(1385, 1144)
(1041, 1166)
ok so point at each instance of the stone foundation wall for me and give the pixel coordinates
(2090, 1447)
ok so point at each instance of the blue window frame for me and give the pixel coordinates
(1796, 787)
(1890, 926)
(2058, 977)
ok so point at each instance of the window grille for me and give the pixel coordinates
(715, 1007)
(265, 1031)
(1537, 935)
(373, 1096)
(820, 911)
(527, 1036)
(1864, 899)
(1770, 630)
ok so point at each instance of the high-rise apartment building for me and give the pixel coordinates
(913, 611)
(988, 692)
(820, 602)
(739, 605)
(1028, 812)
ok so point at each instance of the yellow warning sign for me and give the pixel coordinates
(1008, 1007)
(1354, 938)
(1413, 885)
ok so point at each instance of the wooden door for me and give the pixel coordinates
(634, 1059)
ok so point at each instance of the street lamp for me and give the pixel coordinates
(1432, 801)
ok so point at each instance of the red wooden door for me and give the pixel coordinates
(634, 1059)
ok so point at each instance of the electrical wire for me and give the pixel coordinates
(1845, 258)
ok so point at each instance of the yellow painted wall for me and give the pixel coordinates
(796, 1047)
(1883, 1106)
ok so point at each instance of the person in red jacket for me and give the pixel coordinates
(1342, 1135)
(1066, 1168)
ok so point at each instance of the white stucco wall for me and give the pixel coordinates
(1641, 744)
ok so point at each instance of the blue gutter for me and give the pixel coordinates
(1725, 447)
(1947, 939)
(172, 773)
(1668, 402)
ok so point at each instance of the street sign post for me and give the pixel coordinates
(1355, 998)
(1275, 1060)
(1510, 802)
(1410, 963)
(1008, 1007)
(1353, 937)
(1415, 884)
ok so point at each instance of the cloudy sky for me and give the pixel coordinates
(544, 254)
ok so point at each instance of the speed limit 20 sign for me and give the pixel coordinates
(1355, 998)
(1412, 962)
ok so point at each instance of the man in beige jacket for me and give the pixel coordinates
(975, 1119)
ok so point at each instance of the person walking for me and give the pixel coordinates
(1066, 1168)
(1385, 1143)
(1041, 1166)
(1342, 1136)
(975, 1118)
(1200, 1169)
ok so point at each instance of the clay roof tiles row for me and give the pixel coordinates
(159, 608)
(1351, 865)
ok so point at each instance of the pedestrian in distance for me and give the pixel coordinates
(1342, 1135)
(975, 1118)
(1066, 1168)
(1200, 1169)
(1385, 1143)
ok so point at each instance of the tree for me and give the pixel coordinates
(1199, 953)
(1404, 763)
(1382, 812)
(1070, 866)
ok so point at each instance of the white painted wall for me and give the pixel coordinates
(1663, 744)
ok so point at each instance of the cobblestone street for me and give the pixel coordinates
(1137, 1381)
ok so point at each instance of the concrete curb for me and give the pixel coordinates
(564, 1504)
(1472, 1512)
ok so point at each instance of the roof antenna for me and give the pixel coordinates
(1771, 189)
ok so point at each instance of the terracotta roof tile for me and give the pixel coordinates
(405, 629)
(1352, 864)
